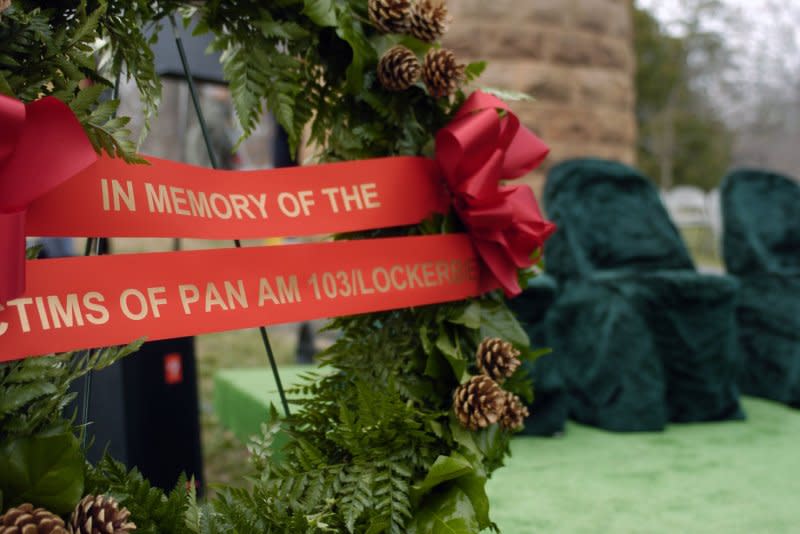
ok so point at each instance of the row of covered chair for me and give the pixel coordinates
(639, 337)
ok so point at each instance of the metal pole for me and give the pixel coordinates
(214, 163)
(92, 248)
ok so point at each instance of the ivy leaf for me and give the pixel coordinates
(474, 487)
(452, 354)
(498, 321)
(466, 441)
(450, 512)
(321, 12)
(493, 444)
(363, 53)
(44, 470)
(443, 469)
(471, 317)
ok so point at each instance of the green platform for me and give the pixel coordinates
(734, 477)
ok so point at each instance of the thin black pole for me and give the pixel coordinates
(93, 246)
(214, 163)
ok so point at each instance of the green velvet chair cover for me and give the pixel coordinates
(606, 357)
(761, 246)
(641, 337)
(549, 410)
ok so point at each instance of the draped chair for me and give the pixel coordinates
(641, 337)
(761, 247)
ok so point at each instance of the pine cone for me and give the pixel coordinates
(428, 21)
(398, 69)
(4, 4)
(100, 515)
(479, 403)
(441, 73)
(390, 16)
(514, 413)
(497, 358)
(25, 519)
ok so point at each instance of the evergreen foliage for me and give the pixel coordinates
(313, 61)
(36, 390)
(151, 510)
(373, 446)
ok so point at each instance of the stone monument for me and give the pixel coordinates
(574, 56)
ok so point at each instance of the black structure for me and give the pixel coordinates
(144, 411)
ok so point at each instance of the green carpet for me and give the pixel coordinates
(733, 477)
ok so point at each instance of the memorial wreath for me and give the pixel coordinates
(423, 393)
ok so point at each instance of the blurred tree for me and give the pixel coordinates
(682, 138)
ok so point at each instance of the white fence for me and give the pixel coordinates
(699, 217)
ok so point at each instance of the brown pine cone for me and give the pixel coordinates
(398, 69)
(428, 21)
(514, 414)
(25, 519)
(390, 16)
(441, 73)
(479, 403)
(100, 515)
(497, 358)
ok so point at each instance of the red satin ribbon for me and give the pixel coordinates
(483, 145)
(42, 145)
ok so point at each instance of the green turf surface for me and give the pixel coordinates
(733, 477)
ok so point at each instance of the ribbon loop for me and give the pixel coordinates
(26, 175)
(483, 146)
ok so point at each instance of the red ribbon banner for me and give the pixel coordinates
(170, 199)
(67, 306)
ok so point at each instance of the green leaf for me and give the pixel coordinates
(452, 354)
(44, 470)
(474, 487)
(363, 53)
(531, 355)
(89, 24)
(443, 469)
(508, 96)
(474, 70)
(14, 397)
(450, 512)
(31, 253)
(321, 12)
(493, 444)
(498, 321)
(471, 318)
(466, 441)
(5, 88)
(415, 45)
(86, 98)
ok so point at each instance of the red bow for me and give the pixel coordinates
(42, 144)
(483, 145)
